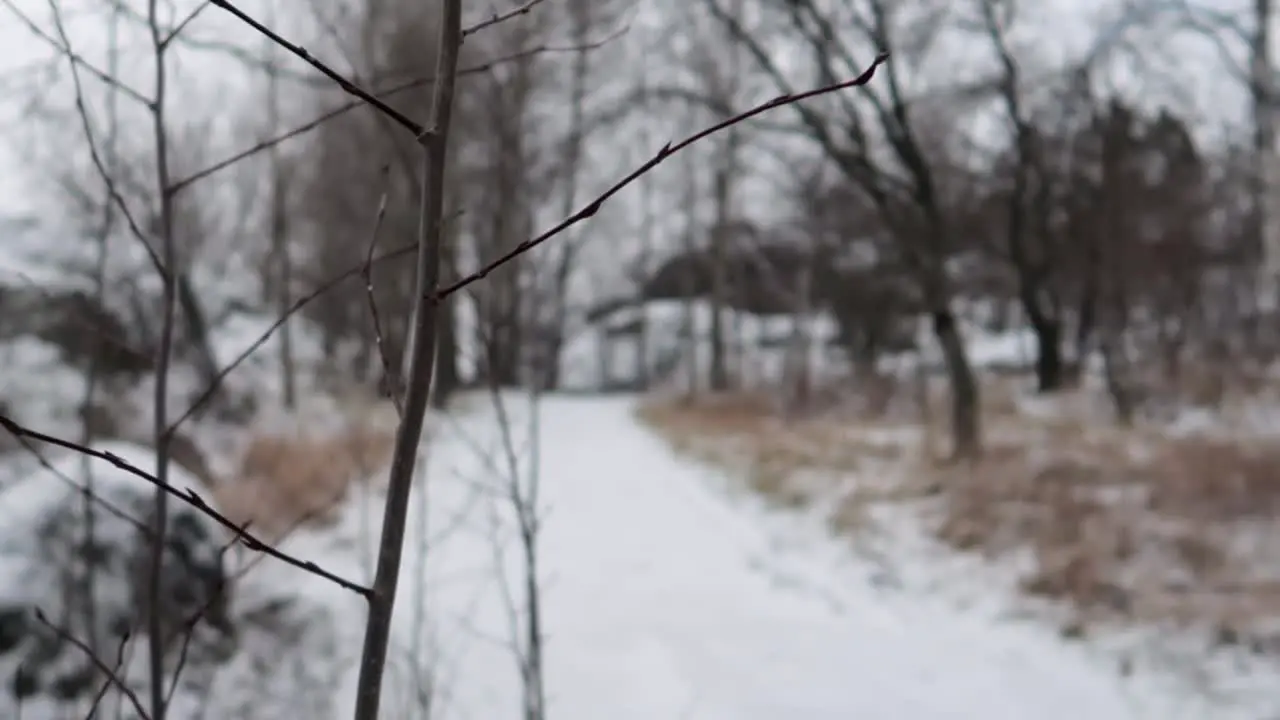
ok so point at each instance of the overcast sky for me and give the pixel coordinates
(1180, 71)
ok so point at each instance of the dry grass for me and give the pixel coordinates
(746, 433)
(286, 480)
(1123, 524)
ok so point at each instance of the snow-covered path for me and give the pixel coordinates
(656, 607)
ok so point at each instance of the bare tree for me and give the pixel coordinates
(1027, 228)
(644, 259)
(89, 411)
(518, 492)
(281, 258)
(166, 263)
(422, 356)
(501, 166)
(586, 18)
(722, 87)
(1228, 31)
(690, 328)
(903, 187)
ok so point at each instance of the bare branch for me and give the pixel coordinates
(592, 208)
(189, 624)
(112, 676)
(64, 48)
(301, 52)
(99, 165)
(434, 143)
(388, 373)
(348, 107)
(182, 25)
(189, 497)
(665, 152)
(30, 447)
(497, 18)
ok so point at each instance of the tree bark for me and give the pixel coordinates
(966, 428)
(1050, 369)
(718, 373)
(447, 377)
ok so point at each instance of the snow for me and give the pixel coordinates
(592, 359)
(43, 553)
(37, 387)
(665, 597)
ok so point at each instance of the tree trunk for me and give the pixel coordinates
(196, 326)
(282, 278)
(1050, 368)
(447, 377)
(718, 372)
(799, 378)
(1121, 397)
(282, 281)
(718, 377)
(1265, 117)
(966, 429)
(648, 241)
(689, 330)
(551, 347)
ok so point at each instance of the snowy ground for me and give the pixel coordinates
(665, 598)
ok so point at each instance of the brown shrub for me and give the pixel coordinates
(1122, 523)
(285, 481)
(788, 462)
(1135, 525)
(1217, 479)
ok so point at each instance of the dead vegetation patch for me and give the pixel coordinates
(1128, 527)
(1121, 525)
(787, 460)
(290, 479)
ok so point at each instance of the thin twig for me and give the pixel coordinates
(254, 63)
(107, 684)
(182, 24)
(108, 179)
(99, 165)
(301, 52)
(497, 18)
(348, 107)
(661, 156)
(351, 272)
(388, 374)
(189, 497)
(526, 643)
(189, 624)
(112, 676)
(584, 214)
(64, 48)
(281, 271)
(43, 462)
